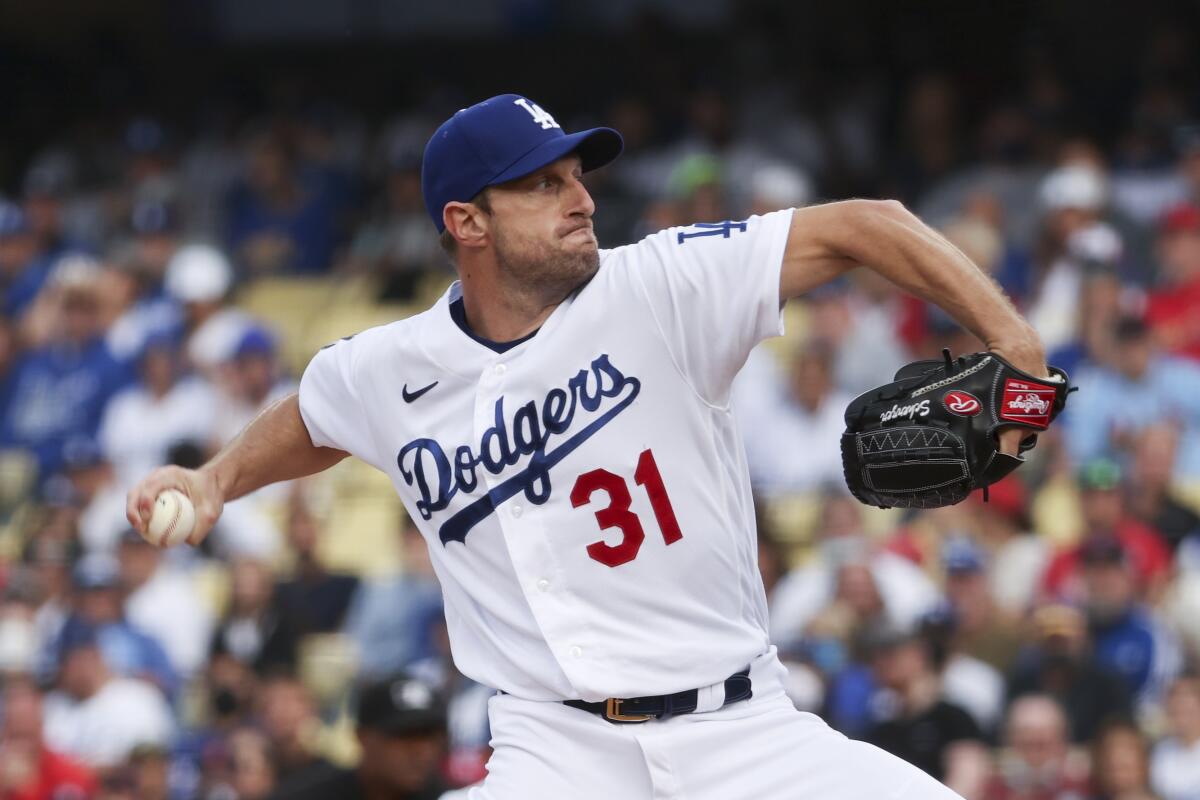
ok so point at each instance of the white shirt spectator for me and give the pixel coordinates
(906, 592)
(1175, 770)
(138, 430)
(233, 413)
(1016, 571)
(102, 730)
(975, 686)
(103, 521)
(215, 340)
(790, 449)
(166, 608)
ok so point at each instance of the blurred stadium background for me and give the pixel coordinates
(196, 196)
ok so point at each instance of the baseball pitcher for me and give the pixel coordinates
(558, 426)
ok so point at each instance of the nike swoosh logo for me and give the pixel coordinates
(411, 396)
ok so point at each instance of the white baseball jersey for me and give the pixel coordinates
(584, 494)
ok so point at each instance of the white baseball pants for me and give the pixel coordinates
(761, 749)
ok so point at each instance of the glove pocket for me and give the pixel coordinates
(915, 475)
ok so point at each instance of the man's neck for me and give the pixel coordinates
(502, 313)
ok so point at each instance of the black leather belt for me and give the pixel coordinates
(642, 709)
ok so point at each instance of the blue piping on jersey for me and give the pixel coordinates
(458, 313)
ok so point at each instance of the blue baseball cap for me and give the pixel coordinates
(12, 219)
(960, 556)
(501, 139)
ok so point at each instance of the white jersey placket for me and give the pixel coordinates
(541, 578)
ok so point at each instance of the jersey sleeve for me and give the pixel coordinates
(713, 290)
(330, 405)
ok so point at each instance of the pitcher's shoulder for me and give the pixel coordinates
(379, 341)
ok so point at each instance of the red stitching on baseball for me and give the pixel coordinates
(174, 521)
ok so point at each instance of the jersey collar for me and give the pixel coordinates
(459, 352)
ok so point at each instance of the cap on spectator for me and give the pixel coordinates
(1058, 620)
(12, 219)
(160, 340)
(1099, 475)
(81, 452)
(961, 556)
(692, 172)
(399, 705)
(256, 341)
(77, 272)
(1097, 245)
(939, 621)
(1183, 218)
(198, 273)
(152, 217)
(885, 635)
(96, 571)
(1102, 549)
(76, 633)
(498, 140)
(1073, 187)
(50, 176)
(782, 186)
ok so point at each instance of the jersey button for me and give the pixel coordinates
(516, 511)
(576, 651)
(500, 369)
(543, 585)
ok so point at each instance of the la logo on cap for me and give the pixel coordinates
(539, 114)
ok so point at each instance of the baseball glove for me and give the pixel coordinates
(928, 438)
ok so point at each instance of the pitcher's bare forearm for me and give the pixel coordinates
(827, 241)
(274, 447)
(883, 236)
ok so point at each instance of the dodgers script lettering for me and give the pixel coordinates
(526, 434)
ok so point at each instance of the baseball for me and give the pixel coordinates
(172, 521)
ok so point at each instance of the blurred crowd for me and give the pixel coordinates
(1042, 645)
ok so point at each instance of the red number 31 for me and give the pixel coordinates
(617, 514)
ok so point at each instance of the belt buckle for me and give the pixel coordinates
(612, 712)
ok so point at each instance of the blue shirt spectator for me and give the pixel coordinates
(127, 650)
(58, 391)
(1145, 387)
(283, 219)
(1125, 638)
(23, 266)
(393, 622)
(1132, 646)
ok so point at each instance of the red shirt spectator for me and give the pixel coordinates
(28, 769)
(1171, 309)
(1151, 560)
(1104, 513)
(57, 776)
(1036, 761)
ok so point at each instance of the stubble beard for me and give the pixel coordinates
(539, 270)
